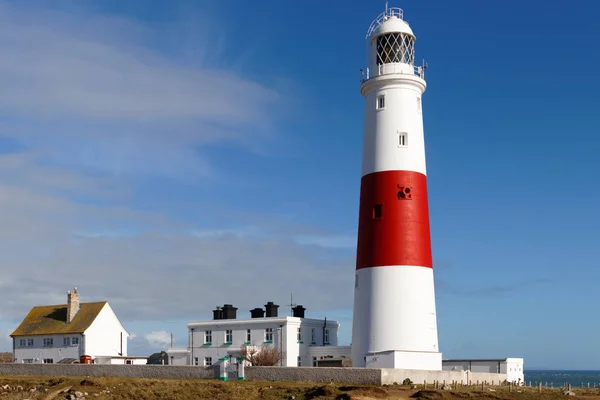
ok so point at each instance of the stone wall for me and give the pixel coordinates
(370, 376)
(315, 374)
(126, 371)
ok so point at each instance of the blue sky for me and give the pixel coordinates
(173, 157)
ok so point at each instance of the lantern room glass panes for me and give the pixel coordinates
(395, 48)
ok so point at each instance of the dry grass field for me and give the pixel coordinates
(35, 387)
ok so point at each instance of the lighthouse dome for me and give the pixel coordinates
(389, 21)
(393, 24)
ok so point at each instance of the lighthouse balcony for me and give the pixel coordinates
(392, 69)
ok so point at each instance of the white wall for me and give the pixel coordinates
(512, 367)
(316, 353)
(389, 376)
(56, 352)
(121, 360)
(514, 370)
(103, 337)
(488, 366)
(178, 356)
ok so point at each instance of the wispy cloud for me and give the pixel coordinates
(158, 338)
(97, 97)
(151, 270)
(86, 106)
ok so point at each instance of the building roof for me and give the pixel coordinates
(265, 321)
(51, 320)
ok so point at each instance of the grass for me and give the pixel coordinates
(38, 387)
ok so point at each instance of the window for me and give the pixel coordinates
(22, 342)
(381, 102)
(128, 362)
(299, 335)
(326, 336)
(75, 341)
(402, 139)
(207, 361)
(66, 341)
(248, 336)
(269, 335)
(314, 361)
(195, 360)
(377, 211)
(208, 337)
(395, 48)
(312, 336)
(228, 336)
(29, 342)
(299, 361)
(48, 361)
(48, 342)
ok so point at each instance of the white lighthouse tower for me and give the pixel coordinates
(394, 323)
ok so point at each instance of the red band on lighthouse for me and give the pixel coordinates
(393, 220)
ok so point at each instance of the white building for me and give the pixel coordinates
(302, 341)
(178, 356)
(65, 332)
(513, 367)
(121, 360)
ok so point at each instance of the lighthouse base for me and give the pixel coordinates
(419, 360)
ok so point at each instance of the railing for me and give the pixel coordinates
(395, 68)
(381, 18)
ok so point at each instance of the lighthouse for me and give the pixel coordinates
(394, 323)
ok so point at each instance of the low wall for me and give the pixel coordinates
(98, 370)
(364, 376)
(389, 376)
(367, 376)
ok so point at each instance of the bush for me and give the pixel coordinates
(407, 381)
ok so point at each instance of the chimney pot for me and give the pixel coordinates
(271, 309)
(72, 305)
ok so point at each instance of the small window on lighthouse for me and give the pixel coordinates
(402, 139)
(380, 102)
(377, 211)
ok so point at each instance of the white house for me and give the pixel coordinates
(65, 332)
(302, 341)
(512, 367)
(178, 356)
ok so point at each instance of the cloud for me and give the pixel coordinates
(158, 338)
(87, 87)
(92, 122)
(148, 265)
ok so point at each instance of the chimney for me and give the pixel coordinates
(257, 313)
(218, 313)
(271, 309)
(72, 305)
(298, 311)
(229, 311)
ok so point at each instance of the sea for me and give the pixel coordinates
(559, 378)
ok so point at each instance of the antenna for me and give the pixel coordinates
(292, 304)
